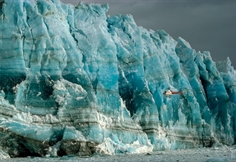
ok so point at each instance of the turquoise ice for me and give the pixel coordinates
(76, 81)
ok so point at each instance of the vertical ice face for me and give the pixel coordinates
(228, 75)
(11, 48)
(133, 87)
(74, 81)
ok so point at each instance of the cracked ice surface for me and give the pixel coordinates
(74, 81)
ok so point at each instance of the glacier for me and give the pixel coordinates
(74, 81)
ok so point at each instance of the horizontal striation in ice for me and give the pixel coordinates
(74, 81)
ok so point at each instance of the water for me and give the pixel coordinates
(222, 154)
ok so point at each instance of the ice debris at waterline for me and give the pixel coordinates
(74, 81)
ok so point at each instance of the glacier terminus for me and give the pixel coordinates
(74, 81)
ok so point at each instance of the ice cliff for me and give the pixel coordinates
(75, 81)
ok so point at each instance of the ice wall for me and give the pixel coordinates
(74, 81)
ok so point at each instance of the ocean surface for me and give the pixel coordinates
(216, 154)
